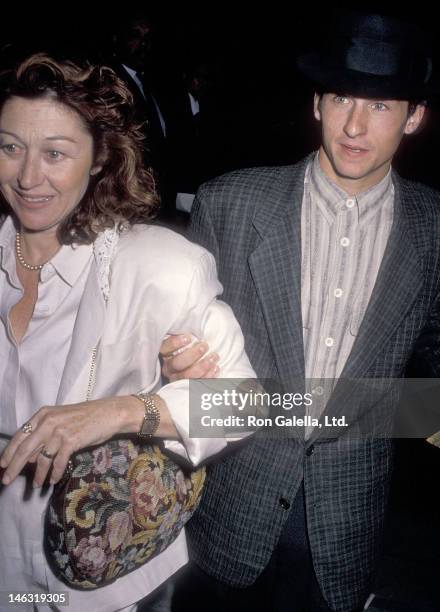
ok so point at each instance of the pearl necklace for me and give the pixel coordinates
(21, 258)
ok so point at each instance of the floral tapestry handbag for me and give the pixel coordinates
(118, 504)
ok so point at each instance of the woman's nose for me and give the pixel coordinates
(30, 174)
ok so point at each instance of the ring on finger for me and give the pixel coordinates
(44, 452)
(27, 427)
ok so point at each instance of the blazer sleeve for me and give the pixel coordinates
(208, 318)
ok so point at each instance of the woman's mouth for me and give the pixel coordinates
(34, 198)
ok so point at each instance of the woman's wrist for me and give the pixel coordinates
(132, 411)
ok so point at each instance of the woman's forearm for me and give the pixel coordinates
(55, 432)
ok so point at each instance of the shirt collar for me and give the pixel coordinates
(7, 232)
(332, 199)
(135, 76)
(7, 250)
(68, 263)
(130, 71)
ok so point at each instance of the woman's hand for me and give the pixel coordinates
(58, 431)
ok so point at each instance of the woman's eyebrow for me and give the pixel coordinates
(62, 138)
(57, 137)
(2, 131)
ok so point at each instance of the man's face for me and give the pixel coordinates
(134, 46)
(360, 137)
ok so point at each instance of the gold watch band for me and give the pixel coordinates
(151, 420)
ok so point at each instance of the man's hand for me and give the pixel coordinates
(184, 358)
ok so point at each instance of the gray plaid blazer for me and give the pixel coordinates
(251, 221)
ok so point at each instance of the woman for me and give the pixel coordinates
(86, 285)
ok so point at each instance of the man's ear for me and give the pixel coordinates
(413, 122)
(316, 107)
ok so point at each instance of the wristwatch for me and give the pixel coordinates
(151, 420)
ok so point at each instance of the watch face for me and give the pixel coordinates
(150, 424)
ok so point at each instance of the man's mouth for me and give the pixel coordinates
(353, 149)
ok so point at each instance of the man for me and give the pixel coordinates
(332, 269)
(135, 61)
(162, 104)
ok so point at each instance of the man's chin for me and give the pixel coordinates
(352, 169)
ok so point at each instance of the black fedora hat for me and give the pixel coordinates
(371, 56)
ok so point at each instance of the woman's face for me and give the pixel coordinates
(46, 159)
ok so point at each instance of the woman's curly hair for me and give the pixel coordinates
(124, 190)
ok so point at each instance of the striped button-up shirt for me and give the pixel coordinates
(343, 242)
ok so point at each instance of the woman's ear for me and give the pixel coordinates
(95, 170)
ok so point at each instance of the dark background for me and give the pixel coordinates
(268, 120)
(266, 105)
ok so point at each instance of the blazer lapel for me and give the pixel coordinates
(275, 266)
(87, 331)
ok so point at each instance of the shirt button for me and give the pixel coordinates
(345, 241)
(318, 391)
(338, 292)
(310, 450)
(349, 203)
(285, 505)
(329, 342)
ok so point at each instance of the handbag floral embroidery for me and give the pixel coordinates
(120, 503)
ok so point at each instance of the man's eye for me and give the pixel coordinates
(340, 99)
(380, 106)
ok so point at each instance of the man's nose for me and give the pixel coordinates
(30, 174)
(356, 121)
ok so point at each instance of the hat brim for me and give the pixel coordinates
(343, 80)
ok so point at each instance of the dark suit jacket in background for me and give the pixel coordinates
(156, 147)
(251, 221)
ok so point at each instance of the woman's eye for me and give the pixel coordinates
(55, 155)
(380, 106)
(11, 149)
(340, 99)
